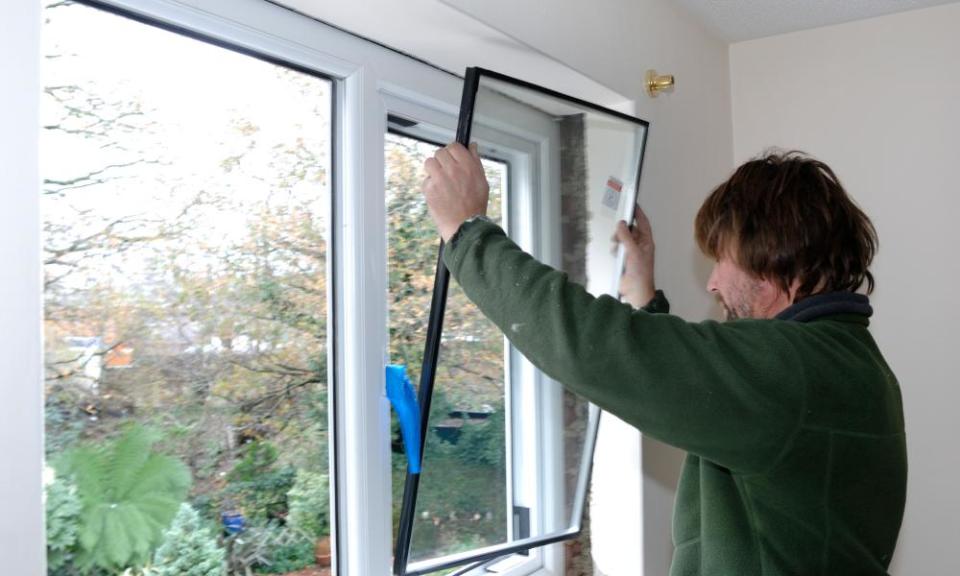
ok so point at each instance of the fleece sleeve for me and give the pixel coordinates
(733, 393)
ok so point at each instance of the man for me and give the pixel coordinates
(792, 420)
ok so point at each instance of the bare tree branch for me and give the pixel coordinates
(89, 179)
(81, 367)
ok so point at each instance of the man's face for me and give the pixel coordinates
(739, 292)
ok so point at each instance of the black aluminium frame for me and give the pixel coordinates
(471, 85)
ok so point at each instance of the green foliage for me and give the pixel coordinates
(265, 497)
(188, 549)
(485, 442)
(258, 457)
(64, 421)
(288, 557)
(309, 501)
(256, 486)
(128, 494)
(63, 514)
(462, 496)
(268, 549)
(457, 502)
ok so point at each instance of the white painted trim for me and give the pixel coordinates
(21, 287)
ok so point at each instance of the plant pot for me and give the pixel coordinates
(321, 551)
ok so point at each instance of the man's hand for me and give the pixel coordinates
(456, 187)
(636, 284)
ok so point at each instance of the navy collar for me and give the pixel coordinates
(829, 304)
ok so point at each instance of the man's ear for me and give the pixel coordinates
(771, 298)
(794, 288)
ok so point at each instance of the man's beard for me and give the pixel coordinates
(729, 313)
(740, 309)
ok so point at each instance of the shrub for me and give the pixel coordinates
(63, 517)
(188, 549)
(256, 486)
(484, 442)
(258, 457)
(289, 557)
(309, 502)
(263, 498)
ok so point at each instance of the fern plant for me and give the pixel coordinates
(188, 548)
(128, 494)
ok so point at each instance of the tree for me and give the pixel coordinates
(188, 549)
(150, 276)
(310, 503)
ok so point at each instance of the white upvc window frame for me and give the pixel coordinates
(369, 82)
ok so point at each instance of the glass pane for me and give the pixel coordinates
(589, 161)
(593, 159)
(185, 215)
(462, 503)
(574, 172)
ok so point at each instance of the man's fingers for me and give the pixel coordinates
(433, 167)
(445, 158)
(475, 150)
(623, 236)
(459, 153)
(640, 219)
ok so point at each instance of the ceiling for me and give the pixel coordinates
(738, 20)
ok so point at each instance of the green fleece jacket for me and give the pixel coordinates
(794, 427)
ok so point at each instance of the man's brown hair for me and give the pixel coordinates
(784, 217)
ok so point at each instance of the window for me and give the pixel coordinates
(186, 217)
(215, 252)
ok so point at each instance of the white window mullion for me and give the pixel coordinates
(364, 427)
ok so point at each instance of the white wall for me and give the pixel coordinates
(690, 150)
(21, 528)
(879, 101)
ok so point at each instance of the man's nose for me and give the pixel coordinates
(712, 281)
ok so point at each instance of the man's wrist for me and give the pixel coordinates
(451, 240)
(640, 294)
(658, 304)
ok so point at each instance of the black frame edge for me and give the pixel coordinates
(431, 352)
(561, 96)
